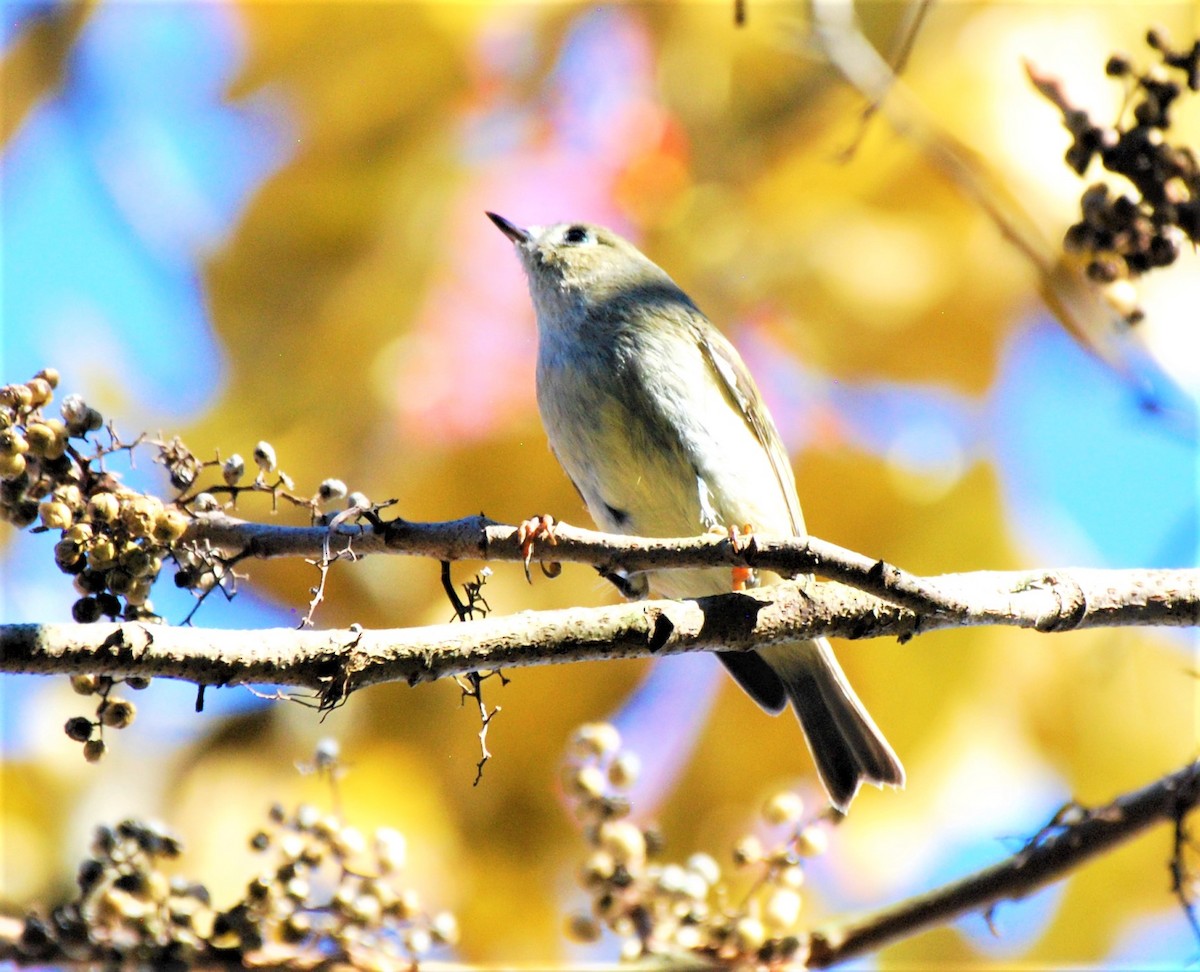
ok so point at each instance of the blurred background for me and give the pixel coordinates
(242, 221)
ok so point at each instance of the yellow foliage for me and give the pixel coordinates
(361, 255)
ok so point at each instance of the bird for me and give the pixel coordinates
(656, 420)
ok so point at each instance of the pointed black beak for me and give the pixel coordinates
(511, 230)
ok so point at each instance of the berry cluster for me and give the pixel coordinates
(128, 912)
(659, 908)
(1122, 236)
(112, 712)
(367, 921)
(324, 900)
(112, 539)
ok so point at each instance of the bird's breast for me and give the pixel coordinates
(651, 440)
(630, 469)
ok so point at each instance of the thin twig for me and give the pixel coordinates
(460, 609)
(914, 17)
(1182, 883)
(471, 684)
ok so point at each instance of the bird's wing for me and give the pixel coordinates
(743, 394)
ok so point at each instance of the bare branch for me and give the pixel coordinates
(1057, 599)
(1076, 835)
(914, 17)
(347, 660)
(337, 662)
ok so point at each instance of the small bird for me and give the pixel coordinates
(655, 418)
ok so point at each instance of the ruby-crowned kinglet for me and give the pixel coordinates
(659, 425)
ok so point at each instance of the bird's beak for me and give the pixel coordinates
(511, 230)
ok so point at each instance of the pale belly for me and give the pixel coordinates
(645, 477)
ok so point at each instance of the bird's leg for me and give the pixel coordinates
(533, 529)
(738, 537)
(743, 577)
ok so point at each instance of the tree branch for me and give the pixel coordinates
(336, 662)
(1049, 600)
(1075, 835)
(883, 601)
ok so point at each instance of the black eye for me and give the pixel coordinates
(577, 234)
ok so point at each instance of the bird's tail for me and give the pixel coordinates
(845, 743)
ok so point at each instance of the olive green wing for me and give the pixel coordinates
(743, 395)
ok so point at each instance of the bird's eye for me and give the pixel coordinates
(577, 234)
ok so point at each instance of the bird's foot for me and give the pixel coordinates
(528, 533)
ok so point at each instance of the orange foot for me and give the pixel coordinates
(740, 540)
(529, 532)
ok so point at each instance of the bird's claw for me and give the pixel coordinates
(528, 533)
